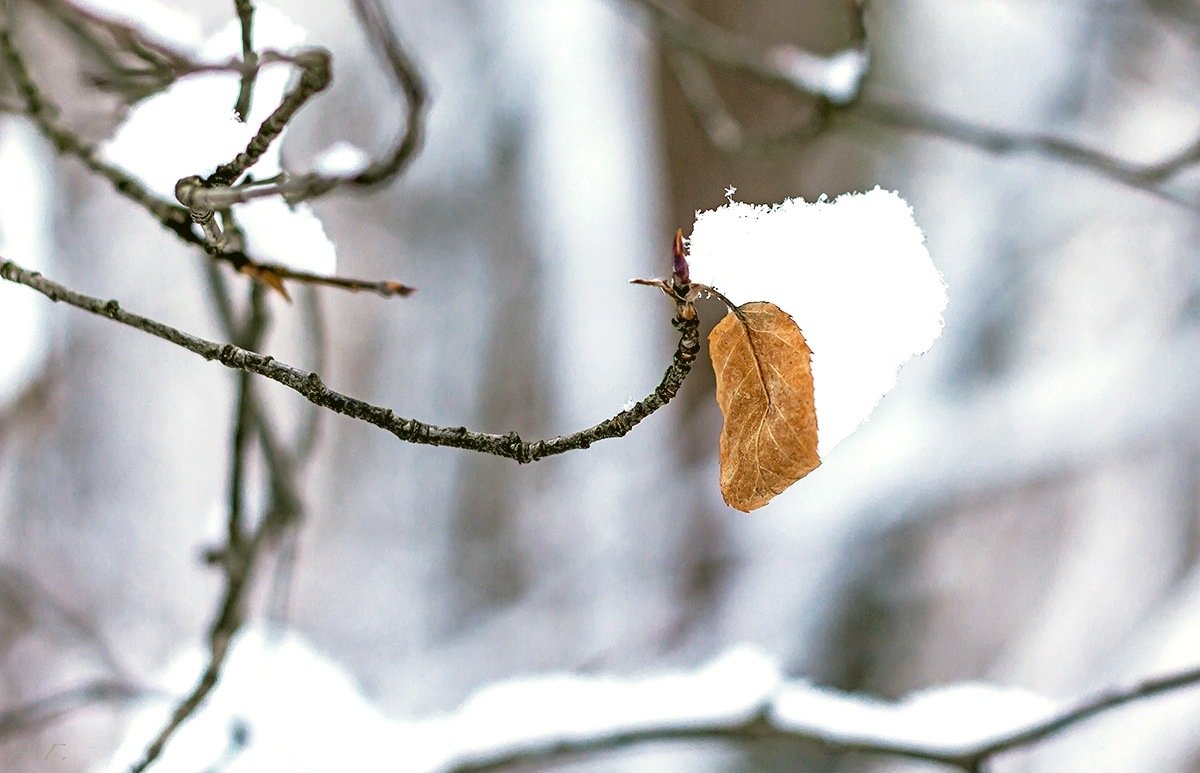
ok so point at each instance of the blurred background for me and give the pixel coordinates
(1021, 509)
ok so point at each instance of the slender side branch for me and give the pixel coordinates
(226, 624)
(380, 31)
(1106, 700)
(784, 65)
(1148, 178)
(245, 13)
(314, 77)
(310, 386)
(40, 712)
(243, 547)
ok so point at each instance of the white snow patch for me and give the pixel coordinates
(837, 77)
(286, 235)
(190, 129)
(945, 719)
(25, 238)
(855, 275)
(341, 159)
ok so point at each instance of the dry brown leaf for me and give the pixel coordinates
(765, 391)
(269, 277)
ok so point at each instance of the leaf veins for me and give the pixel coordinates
(765, 391)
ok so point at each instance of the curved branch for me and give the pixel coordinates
(1103, 701)
(310, 386)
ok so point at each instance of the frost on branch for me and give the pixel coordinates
(853, 273)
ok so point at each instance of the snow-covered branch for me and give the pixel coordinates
(741, 697)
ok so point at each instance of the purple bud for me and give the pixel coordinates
(682, 278)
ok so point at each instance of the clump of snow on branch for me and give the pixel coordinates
(949, 719)
(25, 237)
(855, 275)
(341, 158)
(190, 128)
(837, 78)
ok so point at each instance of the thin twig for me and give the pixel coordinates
(241, 551)
(221, 633)
(246, 419)
(310, 386)
(381, 34)
(155, 65)
(245, 13)
(40, 712)
(722, 129)
(783, 65)
(1103, 701)
(1144, 177)
(42, 113)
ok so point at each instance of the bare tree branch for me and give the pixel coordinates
(20, 719)
(174, 218)
(784, 65)
(301, 187)
(243, 548)
(310, 386)
(245, 14)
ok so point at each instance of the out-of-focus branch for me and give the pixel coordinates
(1102, 702)
(765, 724)
(835, 78)
(723, 130)
(30, 716)
(1144, 177)
(137, 65)
(310, 386)
(695, 43)
(381, 32)
(245, 13)
(244, 547)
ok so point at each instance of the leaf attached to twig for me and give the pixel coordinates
(765, 391)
